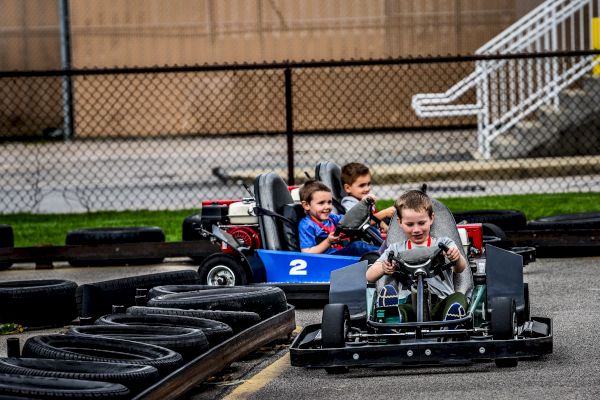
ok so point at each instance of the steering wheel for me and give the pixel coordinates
(424, 261)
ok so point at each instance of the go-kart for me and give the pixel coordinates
(356, 332)
(273, 256)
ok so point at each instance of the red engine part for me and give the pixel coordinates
(475, 234)
(218, 202)
(246, 235)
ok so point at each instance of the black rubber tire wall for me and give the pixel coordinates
(7, 239)
(134, 377)
(95, 236)
(265, 301)
(41, 387)
(215, 331)
(38, 303)
(237, 320)
(67, 347)
(589, 220)
(508, 220)
(189, 342)
(97, 299)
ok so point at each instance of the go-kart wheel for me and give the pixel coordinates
(525, 314)
(334, 328)
(371, 257)
(503, 323)
(222, 270)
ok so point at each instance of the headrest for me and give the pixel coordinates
(331, 175)
(272, 194)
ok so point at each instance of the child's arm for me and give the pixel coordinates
(323, 246)
(379, 269)
(454, 255)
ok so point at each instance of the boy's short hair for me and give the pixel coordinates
(414, 200)
(351, 172)
(310, 187)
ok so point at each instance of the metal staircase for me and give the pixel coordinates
(509, 90)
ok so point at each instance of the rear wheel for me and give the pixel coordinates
(334, 328)
(504, 325)
(222, 270)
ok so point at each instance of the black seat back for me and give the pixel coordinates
(331, 175)
(272, 194)
(443, 225)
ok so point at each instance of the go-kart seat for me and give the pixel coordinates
(331, 175)
(443, 225)
(277, 232)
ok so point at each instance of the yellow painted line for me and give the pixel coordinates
(596, 42)
(260, 380)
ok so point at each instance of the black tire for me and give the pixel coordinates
(222, 270)
(508, 220)
(334, 328)
(237, 320)
(215, 331)
(96, 299)
(7, 240)
(265, 301)
(67, 347)
(171, 289)
(334, 325)
(38, 303)
(371, 257)
(41, 387)
(503, 324)
(525, 314)
(587, 220)
(188, 342)
(95, 236)
(134, 377)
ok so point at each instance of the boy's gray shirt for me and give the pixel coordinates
(442, 288)
(349, 201)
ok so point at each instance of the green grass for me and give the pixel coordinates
(51, 229)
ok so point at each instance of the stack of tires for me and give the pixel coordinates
(120, 354)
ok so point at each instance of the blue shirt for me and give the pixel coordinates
(311, 233)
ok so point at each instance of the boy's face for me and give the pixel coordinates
(416, 225)
(320, 205)
(360, 187)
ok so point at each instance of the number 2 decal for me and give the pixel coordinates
(298, 267)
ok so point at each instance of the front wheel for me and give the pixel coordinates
(504, 325)
(222, 270)
(334, 328)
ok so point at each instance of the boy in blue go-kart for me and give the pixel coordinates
(318, 230)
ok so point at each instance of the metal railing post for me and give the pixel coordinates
(289, 124)
(65, 58)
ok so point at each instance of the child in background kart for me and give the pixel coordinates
(415, 215)
(317, 228)
(356, 179)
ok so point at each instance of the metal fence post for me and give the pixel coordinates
(289, 124)
(65, 59)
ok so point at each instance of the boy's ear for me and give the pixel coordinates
(346, 187)
(305, 205)
(432, 216)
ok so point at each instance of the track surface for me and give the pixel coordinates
(567, 290)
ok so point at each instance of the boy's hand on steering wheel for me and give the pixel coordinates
(388, 267)
(332, 238)
(453, 254)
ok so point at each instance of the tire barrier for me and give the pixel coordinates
(41, 387)
(237, 320)
(508, 220)
(68, 347)
(215, 331)
(265, 301)
(188, 342)
(95, 236)
(134, 377)
(7, 239)
(590, 220)
(38, 303)
(96, 299)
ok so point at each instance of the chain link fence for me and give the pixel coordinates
(168, 138)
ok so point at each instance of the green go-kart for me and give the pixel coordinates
(497, 326)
